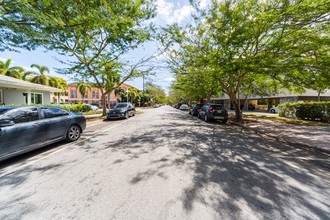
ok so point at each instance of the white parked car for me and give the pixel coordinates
(274, 110)
(184, 107)
(93, 107)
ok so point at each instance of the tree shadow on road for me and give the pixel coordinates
(233, 171)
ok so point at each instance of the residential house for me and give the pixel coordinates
(19, 92)
(267, 102)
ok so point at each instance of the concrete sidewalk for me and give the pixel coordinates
(317, 137)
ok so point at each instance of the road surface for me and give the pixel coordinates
(166, 164)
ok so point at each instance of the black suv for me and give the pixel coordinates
(121, 110)
(213, 112)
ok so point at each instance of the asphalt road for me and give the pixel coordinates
(166, 164)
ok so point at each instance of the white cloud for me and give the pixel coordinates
(169, 79)
(169, 13)
(203, 3)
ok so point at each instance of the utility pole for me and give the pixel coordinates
(143, 90)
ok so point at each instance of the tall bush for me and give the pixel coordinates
(314, 111)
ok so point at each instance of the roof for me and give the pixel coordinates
(10, 82)
(284, 94)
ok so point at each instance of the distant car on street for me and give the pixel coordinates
(184, 107)
(213, 112)
(274, 110)
(121, 110)
(24, 129)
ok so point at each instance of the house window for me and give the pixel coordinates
(73, 93)
(95, 94)
(36, 98)
(1, 97)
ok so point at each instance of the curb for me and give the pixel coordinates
(93, 116)
(282, 139)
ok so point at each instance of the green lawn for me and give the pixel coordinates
(277, 118)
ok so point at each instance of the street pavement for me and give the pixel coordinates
(166, 164)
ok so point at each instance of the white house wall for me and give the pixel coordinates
(15, 96)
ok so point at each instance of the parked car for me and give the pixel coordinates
(274, 110)
(121, 110)
(213, 112)
(93, 107)
(96, 104)
(24, 129)
(195, 109)
(184, 107)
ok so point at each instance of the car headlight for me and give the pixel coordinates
(122, 111)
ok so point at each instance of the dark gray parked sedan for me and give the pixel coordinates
(121, 110)
(23, 129)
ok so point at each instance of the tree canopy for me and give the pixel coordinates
(94, 33)
(241, 44)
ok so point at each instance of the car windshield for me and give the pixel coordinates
(217, 107)
(121, 105)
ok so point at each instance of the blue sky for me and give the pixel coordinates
(169, 11)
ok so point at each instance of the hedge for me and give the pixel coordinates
(313, 111)
(74, 107)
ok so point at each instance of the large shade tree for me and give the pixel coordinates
(235, 40)
(94, 33)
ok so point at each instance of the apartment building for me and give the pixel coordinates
(94, 95)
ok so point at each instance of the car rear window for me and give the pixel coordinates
(217, 107)
(121, 106)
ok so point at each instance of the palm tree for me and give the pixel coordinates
(15, 71)
(133, 93)
(83, 88)
(118, 92)
(59, 83)
(39, 78)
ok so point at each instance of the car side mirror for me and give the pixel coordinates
(6, 123)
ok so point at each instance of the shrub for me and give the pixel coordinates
(307, 111)
(74, 107)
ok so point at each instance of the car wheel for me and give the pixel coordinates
(272, 111)
(126, 115)
(133, 114)
(73, 133)
(206, 118)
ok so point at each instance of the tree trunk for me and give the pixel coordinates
(234, 102)
(318, 96)
(104, 113)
